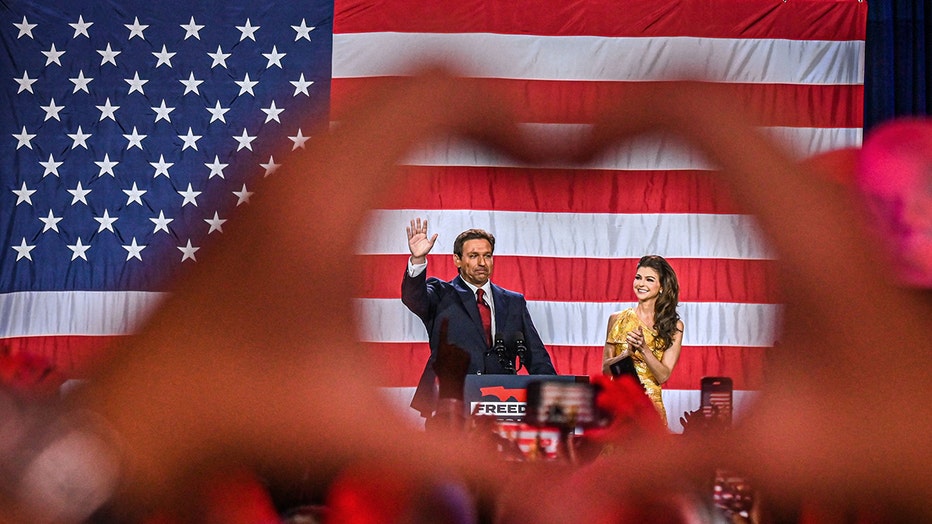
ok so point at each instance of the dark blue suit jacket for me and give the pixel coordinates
(433, 300)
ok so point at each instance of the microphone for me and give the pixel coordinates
(499, 349)
(521, 350)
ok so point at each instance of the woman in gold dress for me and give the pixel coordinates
(650, 333)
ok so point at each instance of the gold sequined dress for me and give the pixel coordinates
(627, 321)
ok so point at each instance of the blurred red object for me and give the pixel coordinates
(226, 497)
(27, 373)
(371, 495)
(382, 494)
(629, 409)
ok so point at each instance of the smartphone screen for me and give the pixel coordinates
(560, 403)
(716, 403)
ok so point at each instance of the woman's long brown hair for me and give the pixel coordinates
(665, 315)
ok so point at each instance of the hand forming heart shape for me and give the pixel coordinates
(270, 326)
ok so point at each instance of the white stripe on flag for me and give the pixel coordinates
(584, 323)
(39, 313)
(488, 55)
(577, 235)
(642, 153)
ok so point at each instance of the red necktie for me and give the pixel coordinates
(485, 313)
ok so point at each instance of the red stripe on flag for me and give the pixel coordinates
(559, 190)
(799, 19)
(745, 366)
(589, 279)
(574, 102)
(73, 356)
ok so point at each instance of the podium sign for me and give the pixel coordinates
(504, 396)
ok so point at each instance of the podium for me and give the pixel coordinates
(503, 399)
(505, 396)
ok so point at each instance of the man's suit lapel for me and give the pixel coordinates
(501, 307)
(469, 301)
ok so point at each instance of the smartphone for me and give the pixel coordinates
(716, 403)
(560, 403)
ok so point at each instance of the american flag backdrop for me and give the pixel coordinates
(569, 237)
(167, 109)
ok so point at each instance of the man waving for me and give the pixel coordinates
(477, 311)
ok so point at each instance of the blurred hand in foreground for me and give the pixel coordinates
(268, 369)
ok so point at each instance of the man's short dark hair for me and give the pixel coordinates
(471, 234)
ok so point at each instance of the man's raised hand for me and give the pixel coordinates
(418, 242)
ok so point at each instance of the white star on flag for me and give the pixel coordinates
(270, 166)
(190, 140)
(162, 112)
(161, 167)
(219, 58)
(272, 112)
(107, 110)
(136, 29)
(192, 29)
(189, 195)
(248, 31)
(303, 31)
(25, 83)
(22, 250)
(24, 138)
(245, 85)
(216, 168)
(242, 196)
(216, 223)
(52, 56)
(78, 250)
(190, 85)
(133, 250)
(106, 222)
(301, 85)
(81, 27)
(135, 139)
(161, 223)
(23, 194)
(106, 166)
(51, 166)
(188, 251)
(134, 194)
(79, 138)
(80, 82)
(135, 84)
(108, 55)
(244, 141)
(25, 29)
(51, 222)
(217, 112)
(274, 58)
(299, 140)
(52, 110)
(79, 194)
(165, 58)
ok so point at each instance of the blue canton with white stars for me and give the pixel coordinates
(132, 131)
